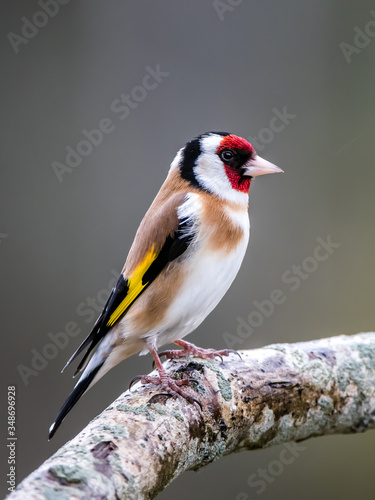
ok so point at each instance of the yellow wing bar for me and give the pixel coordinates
(135, 286)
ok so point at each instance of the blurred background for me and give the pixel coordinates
(297, 78)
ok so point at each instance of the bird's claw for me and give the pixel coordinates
(172, 387)
(226, 352)
(134, 381)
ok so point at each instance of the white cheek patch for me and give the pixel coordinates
(210, 173)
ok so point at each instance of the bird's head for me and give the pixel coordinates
(221, 163)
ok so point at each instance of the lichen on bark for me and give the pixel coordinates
(280, 393)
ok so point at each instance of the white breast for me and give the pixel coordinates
(209, 274)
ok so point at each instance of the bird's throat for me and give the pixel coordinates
(238, 182)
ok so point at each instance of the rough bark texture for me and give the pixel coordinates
(282, 392)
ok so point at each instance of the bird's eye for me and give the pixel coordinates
(227, 155)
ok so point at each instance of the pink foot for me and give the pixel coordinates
(172, 387)
(189, 349)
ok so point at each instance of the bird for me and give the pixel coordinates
(185, 255)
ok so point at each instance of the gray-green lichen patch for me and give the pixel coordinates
(222, 382)
(286, 429)
(326, 403)
(95, 439)
(209, 452)
(262, 425)
(137, 410)
(177, 415)
(149, 411)
(352, 370)
(158, 408)
(321, 372)
(367, 354)
(53, 494)
(114, 430)
(67, 474)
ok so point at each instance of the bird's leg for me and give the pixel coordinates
(171, 386)
(189, 349)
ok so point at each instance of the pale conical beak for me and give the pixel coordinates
(260, 166)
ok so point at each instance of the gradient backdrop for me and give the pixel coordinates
(227, 65)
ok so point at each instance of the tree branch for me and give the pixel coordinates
(282, 392)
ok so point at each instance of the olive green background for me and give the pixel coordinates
(62, 242)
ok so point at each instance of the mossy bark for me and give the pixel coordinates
(280, 393)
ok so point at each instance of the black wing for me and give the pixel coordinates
(127, 290)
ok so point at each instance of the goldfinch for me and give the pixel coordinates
(185, 255)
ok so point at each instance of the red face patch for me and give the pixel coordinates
(237, 181)
(235, 143)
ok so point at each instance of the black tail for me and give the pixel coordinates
(78, 391)
(93, 338)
